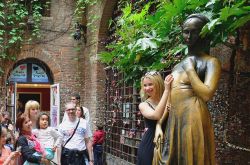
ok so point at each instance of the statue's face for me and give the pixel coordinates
(191, 31)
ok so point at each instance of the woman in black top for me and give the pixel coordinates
(28, 142)
(154, 94)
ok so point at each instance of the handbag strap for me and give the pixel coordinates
(72, 133)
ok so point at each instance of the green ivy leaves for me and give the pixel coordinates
(13, 24)
(152, 40)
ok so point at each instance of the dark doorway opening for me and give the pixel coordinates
(24, 97)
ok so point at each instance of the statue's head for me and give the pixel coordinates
(191, 29)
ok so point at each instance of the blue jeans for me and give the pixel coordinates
(49, 155)
(98, 154)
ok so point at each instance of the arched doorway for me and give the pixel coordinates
(29, 79)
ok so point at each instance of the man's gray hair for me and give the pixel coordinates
(70, 104)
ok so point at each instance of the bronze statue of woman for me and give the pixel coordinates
(189, 134)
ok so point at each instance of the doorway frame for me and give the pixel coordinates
(40, 96)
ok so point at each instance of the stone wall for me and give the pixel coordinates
(113, 160)
(230, 106)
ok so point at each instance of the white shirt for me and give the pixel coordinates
(48, 137)
(77, 142)
(86, 114)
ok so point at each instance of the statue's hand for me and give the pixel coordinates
(188, 64)
(158, 139)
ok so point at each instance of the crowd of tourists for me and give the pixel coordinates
(31, 141)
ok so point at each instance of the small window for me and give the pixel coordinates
(38, 74)
(45, 8)
(30, 71)
(19, 74)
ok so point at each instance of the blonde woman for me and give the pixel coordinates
(154, 94)
(32, 110)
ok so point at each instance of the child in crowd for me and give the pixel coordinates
(9, 142)
(49, 138)
(98, 140)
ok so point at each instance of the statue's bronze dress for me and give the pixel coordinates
(189, 136)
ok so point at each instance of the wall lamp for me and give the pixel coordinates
(80, 32)
(30, 22)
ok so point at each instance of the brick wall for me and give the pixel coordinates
(75, 71)
(57, 49)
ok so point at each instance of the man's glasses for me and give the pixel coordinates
(71, 109)
(152, 73)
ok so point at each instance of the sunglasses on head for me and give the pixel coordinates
(152, 73)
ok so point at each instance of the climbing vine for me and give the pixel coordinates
(19, 23)
(80, 11)
(151, 40)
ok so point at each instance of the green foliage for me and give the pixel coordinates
(226, 18)
(80, 16)
(81, 6)
(14, 16)
(153, 41)
(80, 9)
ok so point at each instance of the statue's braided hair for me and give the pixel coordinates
(203, 18)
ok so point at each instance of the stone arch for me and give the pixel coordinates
(39, 63)
(43, 56)
(106, 16)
